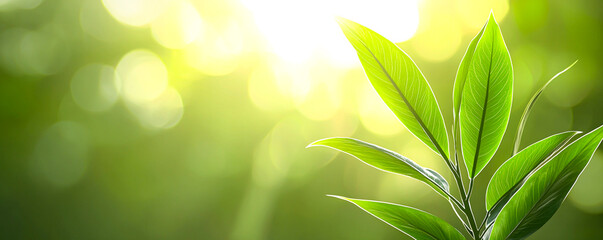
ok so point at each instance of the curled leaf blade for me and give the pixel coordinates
(386, 160)
(413, 222)
(530, 105)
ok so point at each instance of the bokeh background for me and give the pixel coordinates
(188, 119)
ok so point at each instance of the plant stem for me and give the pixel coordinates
(466, 205)
(465, 196)
(470, 190)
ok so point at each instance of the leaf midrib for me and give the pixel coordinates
(545, 160)
(408, 223)
(563, 172)
(420, 229)
(481, 126)
(548, 189)
(421, 171)
(412, 110)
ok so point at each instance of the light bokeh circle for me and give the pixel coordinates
(143, 75)
(95, 87)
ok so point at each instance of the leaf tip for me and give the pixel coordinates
(316, 143)
(341, 21)
(339, 197)
(492, 20)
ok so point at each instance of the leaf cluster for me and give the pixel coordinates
(525, 191)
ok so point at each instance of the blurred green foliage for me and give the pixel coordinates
(159, 119)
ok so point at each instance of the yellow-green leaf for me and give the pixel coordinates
(400, 84)
(386, 160)
(514, 170)
(413, 222)
(544, 191)
(486, 99)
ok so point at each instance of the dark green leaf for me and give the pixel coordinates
(413, 222)
(544, 191)
(386, 160)
(486, 99)
(400, 83)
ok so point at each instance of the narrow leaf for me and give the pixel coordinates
(386, 160)
(413, 222)
(486, 99)
(400, 84)
(544, 191)
(528, 109)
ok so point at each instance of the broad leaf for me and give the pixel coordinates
(544, 191)
(459, 84)
(514, 170)
(486, 99)
(400, 84)
(512, 174)
(528, 109)
(386, 160)
(461, 74)
(413, 222)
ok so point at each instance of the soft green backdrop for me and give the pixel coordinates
(188, 119)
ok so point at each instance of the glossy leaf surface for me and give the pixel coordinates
(486, 99)
(461, 74)
(413, 222)
(386, 160)
(400, 84)
(544, 191)
(514, 170)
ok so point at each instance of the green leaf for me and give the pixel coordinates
(486, 99)
(528, 109)
(544, 191)
(413, 222)
(514, 170)
(461, 74)
(400, 84)
(512, 174)
(386, 160)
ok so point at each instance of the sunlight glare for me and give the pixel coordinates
(163, 112)
(473, 13)
(143, 75)
(263, 91)
(178, 26)
(216, 52)
(136, 12)
(299, 30)
(439, 40)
